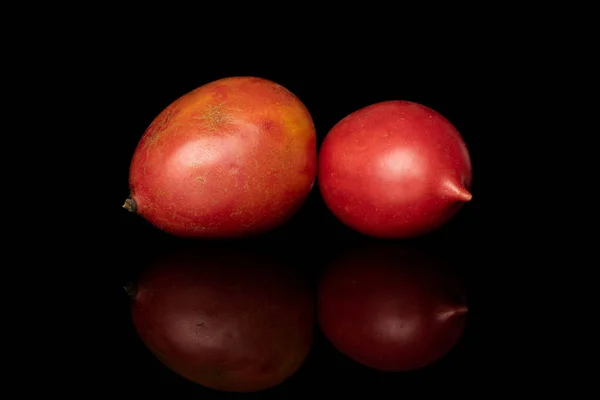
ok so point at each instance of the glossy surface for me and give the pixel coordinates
(391, 308)
(225, 319)
(394, 169)
(234, 157)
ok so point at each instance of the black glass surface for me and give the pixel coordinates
(309, 242)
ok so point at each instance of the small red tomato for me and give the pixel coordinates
(394, 169)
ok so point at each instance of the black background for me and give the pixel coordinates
(141, 83)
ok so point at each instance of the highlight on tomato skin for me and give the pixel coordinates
(394, 169)
(235, 157)
(228, 319)
(391, 307)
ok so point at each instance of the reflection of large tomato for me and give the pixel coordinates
(225, 319)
